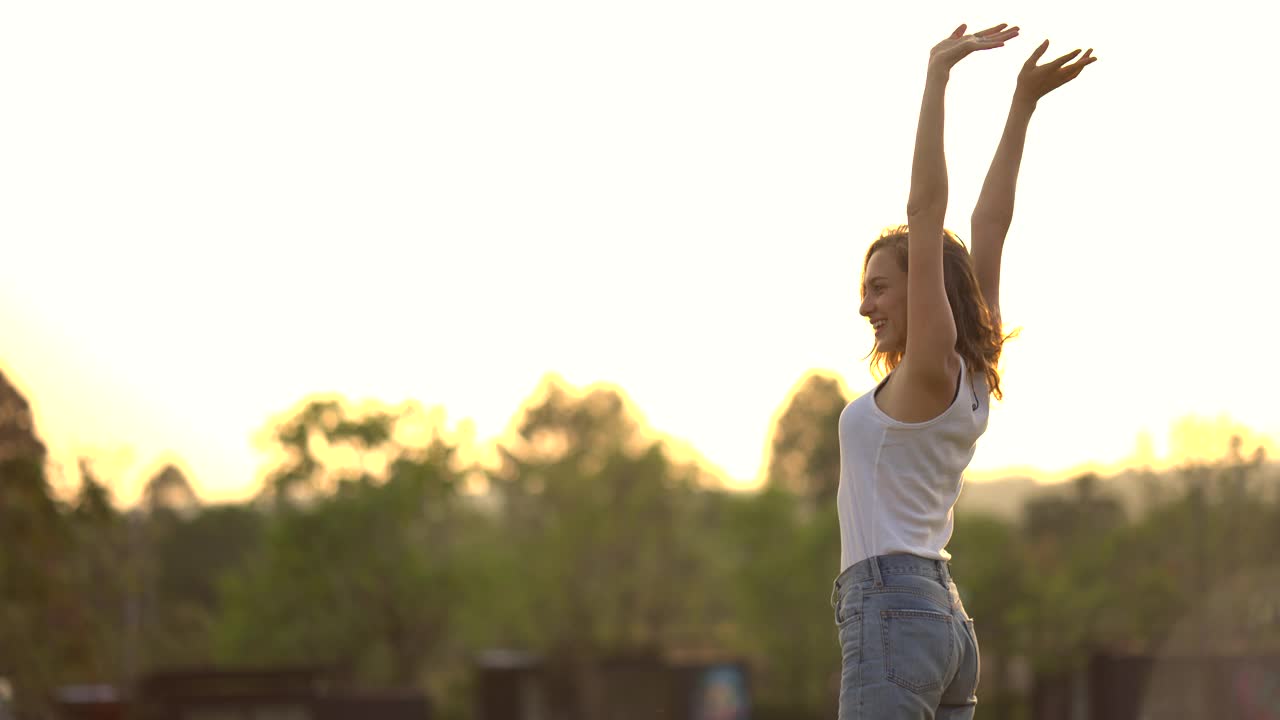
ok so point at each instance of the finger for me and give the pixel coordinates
(997, 33)
(1075, 71)
(1059, 62)
(1036, 55)
(998, 38)
(993, 29)
(959, 32)
(1082, 60)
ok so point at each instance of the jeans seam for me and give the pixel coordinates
(862, 637)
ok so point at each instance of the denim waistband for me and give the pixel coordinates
(877, 567)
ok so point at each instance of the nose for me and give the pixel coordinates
(865, 308)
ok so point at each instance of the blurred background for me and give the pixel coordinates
(484, 360)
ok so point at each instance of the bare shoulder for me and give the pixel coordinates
(915, 394)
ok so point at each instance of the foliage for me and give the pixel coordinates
(587, 539)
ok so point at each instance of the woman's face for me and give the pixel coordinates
(884, 301)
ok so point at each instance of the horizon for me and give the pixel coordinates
(1191, 440)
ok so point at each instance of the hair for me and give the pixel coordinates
(978, 338)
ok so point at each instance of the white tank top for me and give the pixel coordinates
(899, 481)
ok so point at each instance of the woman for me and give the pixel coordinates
(908, 647)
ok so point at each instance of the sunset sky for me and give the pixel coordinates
(212, 210)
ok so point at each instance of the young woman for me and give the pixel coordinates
(908, 646)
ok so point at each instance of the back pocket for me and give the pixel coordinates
(919, 648)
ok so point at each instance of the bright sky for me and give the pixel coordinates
(212, 210)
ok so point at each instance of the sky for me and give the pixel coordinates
(211, 211)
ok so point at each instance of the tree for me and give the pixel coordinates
(1072, 543)
(307, 434)
(105, 572)
(992, 573)
(612, 557)
(18, 438)
(1085, 511)
(363, 576)
(169, 491)
(783, 563)
(42, 623)
(804, 456)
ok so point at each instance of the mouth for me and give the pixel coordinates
(879, 326)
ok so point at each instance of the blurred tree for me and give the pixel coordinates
(18, 437)
(1085, 511)
(159, 631)
(1241, 492)
(804, 456)
(169, 492)
(186, 557)
(1072, 542)
(104, 576)
(363, 576)
(606, 529)
(1106, 583)
(305, 436)
(783, 565)
(382, 559)
(992, 572)
(785, 547)
(42, 624)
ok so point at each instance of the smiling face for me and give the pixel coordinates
(884, 300)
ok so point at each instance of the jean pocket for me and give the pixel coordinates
(919, 648)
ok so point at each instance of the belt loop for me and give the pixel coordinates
(875, 571)
(944, 573)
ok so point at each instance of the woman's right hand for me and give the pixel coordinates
(1036, 81)
(947, 53)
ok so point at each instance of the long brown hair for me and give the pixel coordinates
(978, 338)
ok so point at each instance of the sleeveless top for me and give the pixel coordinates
(899, 481)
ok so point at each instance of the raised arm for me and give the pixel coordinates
(993, 214)
(931, 335)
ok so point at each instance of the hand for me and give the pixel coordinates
(947, 53)
(1034, 82)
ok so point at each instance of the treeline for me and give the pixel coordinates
(583, 539)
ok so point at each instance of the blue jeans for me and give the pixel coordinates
(907, 645)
